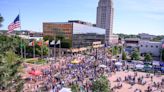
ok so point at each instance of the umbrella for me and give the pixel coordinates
(102, 66)
(118, 64)
(75, 61)
(162, 68)
(35, 73)
(65, 90)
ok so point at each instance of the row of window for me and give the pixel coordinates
(150, 46)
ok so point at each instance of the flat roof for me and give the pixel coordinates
(129, 39)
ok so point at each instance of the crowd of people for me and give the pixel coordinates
(139, 82)
(64, 73)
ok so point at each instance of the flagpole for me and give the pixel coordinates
(25, 48)
(21, 34)
(49, 51)
(34, 49)
(42, 50)
(54, 48)
(60, 49)
(24, 51)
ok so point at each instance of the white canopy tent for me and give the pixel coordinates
(118, 64)
(139, 66)
(65, 90)
(156, 63)
(102, 66)
(137, 62)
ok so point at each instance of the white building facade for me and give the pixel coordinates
(150, 47)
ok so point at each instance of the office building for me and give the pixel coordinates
(82, 34)
(104, 20)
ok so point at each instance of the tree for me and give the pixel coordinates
(66, 43)
(124, 56)
(75, 88)
(38, 51)
(115, 50)
(120, 48)
(50, 38)
(135, 55)
(101, 85)
(148, 57)
(158, 38)
(10, 78)
(1, 20)
(9, 42)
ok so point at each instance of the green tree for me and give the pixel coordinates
(124, 56)
(50, 38)
(120, 48)
(148, 57)
(38, 51)
(9, 42)
(101, 85)
(75, 88)
(135, 55)
(10, 78)
(158, 38)
(115, 50)
(66, 43)
(60, 37)
(1, 20)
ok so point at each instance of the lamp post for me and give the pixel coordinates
(59, 32)
(55, 29)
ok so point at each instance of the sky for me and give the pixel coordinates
(130, 16)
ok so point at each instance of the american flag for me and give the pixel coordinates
(14, 25)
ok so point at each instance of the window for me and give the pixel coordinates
(151, 46)
(156, 46)
(141, 45)
(146, 46)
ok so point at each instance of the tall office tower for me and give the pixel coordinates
(105, 18)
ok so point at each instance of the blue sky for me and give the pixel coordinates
(130, 16)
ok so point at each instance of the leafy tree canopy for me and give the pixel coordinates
(135, 55)
(1, 20)
(148, 57)
(101, 85)
(10, 78)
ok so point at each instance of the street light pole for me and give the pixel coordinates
(54, 46)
